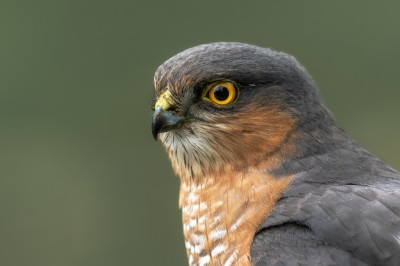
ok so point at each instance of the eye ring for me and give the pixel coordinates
(222, 93)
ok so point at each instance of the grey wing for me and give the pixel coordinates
(294, 244)
(360, 224)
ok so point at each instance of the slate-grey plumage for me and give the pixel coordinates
(267, 176)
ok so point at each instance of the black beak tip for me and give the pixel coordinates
(155, 136)
(156, 127)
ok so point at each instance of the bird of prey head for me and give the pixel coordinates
(227, 105)
(242, 125)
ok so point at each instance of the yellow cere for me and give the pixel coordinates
(165, 101)
(222, 93)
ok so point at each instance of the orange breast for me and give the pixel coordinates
(222, 213)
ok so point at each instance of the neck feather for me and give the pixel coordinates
(222, 213)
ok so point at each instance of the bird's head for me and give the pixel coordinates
(230, 105)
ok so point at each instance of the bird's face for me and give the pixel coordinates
(224, 106)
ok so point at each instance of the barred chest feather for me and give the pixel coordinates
(222, 213)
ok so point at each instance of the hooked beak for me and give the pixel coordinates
(164, 119)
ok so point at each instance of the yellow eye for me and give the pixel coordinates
(222, 93)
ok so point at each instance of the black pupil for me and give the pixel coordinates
(221, 93)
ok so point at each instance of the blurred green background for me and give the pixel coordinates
(82, 180)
